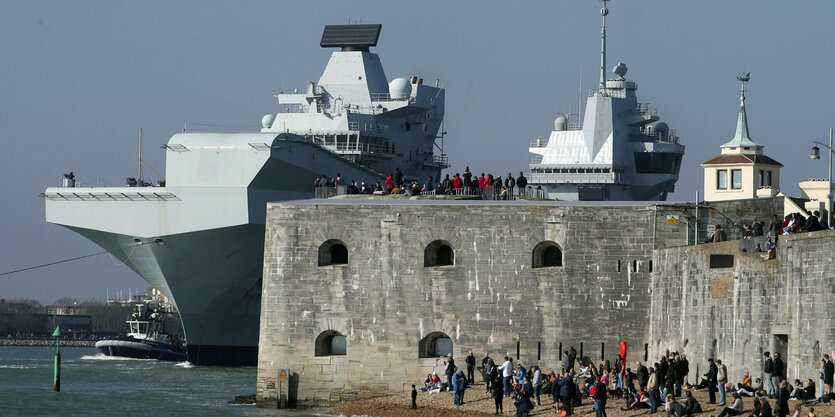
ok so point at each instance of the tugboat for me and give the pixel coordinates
(146, 338)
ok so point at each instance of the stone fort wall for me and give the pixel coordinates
(711, 301)
(384, 301)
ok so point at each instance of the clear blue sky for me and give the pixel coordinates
(80, 78)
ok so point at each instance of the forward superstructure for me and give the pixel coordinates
(620, 151)
(199, 238)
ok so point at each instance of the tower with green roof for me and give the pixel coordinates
(741, 170)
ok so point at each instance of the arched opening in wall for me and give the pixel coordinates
(435, 344)
(333, 252)
(330, 343)
(547, 254)
(438, 253)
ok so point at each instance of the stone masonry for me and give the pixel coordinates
(384, 301)
(737, 312)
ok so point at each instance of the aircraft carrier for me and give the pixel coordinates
(199, 236)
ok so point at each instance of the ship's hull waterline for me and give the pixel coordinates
(212, 276)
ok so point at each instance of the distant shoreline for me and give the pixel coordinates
(47, 342)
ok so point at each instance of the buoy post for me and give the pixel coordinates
(57, 334)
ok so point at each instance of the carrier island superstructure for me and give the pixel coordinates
(620, 151)
(199, 237)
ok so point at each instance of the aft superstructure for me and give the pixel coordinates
(620, 151)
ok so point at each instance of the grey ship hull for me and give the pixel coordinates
(213, 271)
(214, 278)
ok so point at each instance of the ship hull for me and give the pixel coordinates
(203, 247)
(214, 279)
(128, 347)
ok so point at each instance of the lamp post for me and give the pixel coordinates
(816, 154)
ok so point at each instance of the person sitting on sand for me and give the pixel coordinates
(744, 387)
(437, 385)
(639, 400)
(427, 384)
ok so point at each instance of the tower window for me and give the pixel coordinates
(547, 254)
(330, 343)
(438, 253)
(333, 252)
(722, 179)
(434, 344)
(736, 179)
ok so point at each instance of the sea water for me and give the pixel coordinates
(96, 385)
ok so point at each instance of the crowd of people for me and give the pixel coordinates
(660, 385)
(460, 184)
(790, 224)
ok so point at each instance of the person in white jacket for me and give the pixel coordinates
(507, 373)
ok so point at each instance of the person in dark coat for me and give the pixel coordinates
(828, 374)
(498, 394)
(643, 376)
(712, 375)
(765, 408)
(470, 360)
(521, 182)
(674, 409)
(662, 372)
(812, 225)
(429, 186)
(779, 371)
(398, 178)
(691, 406)
(523, 400)
(782, 404)
(768, 371)
(600, 398)
(679, 373)
(567, 391)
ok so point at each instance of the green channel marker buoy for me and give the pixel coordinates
(57, 334)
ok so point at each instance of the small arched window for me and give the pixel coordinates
(330, 343)
(434, 344)
(438, 253)
(547, 254)
(333, 252)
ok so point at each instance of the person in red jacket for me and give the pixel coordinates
(457, 183)
(481, 180)
(390, 183)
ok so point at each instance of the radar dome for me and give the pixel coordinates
(620, 69)
(657, 128)
(267, 121)
(400, 88)
(560, 123)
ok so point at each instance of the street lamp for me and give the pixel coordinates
(816, 154)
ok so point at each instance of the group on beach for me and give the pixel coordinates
(661, 385)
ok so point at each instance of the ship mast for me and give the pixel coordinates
(603, 11)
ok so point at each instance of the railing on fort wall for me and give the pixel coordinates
(487, 193)
(328, 192)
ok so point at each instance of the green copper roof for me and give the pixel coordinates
(741, 138)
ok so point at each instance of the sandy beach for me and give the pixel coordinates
(477, 403)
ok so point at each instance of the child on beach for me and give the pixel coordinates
(414, 397)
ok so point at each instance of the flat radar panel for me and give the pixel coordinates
(350, 37)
